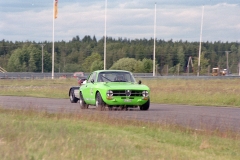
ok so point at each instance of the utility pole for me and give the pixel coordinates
(42, 55)
(227, 52)
(189, 61)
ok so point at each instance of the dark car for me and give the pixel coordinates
(80, 77)
(81, 80)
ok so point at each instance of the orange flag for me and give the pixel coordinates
(55, 9)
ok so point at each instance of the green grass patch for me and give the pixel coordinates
(40, 135)
(211, 92)
(57, 88)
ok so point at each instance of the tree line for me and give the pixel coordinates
(136, 55)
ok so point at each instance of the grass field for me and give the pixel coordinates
(217, 92)
(39, 135)
(32, 135)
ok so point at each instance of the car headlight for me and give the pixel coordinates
(145, 93)
(109, 93)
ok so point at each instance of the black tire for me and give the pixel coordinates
(145, 106)
(100, 105)
(72, 97)
(82, 103)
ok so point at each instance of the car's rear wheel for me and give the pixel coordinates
(100, 105)
(82, 103)
(145, 106)
(72, 97)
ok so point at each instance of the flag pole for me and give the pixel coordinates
(105, 35)
(53, 40)
(154, 48)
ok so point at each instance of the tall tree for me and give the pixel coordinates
(89, 60)
(181, 58)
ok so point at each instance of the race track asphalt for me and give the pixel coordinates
(195, 117)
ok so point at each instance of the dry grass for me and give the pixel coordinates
(196, 92)
(57, 88)
(39, 135)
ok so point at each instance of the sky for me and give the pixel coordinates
(32, 20)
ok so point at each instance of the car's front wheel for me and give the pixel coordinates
(100, 105)
(145, 106)
(72, 97)
(82, 103)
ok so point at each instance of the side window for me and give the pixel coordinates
(92, 76)
(89, 78)
(100, 78)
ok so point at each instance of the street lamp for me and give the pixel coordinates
(42, 55)
(200, 45)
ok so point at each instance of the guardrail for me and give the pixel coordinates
(33, 75)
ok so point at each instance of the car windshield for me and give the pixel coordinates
(115, 77)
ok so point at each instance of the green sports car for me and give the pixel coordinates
(113, 89)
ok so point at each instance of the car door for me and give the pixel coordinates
(88, 89)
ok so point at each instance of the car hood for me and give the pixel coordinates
(124, 86)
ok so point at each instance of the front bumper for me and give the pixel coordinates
(128, 101)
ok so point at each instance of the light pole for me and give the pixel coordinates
(42, 55)
(200, 45)
(227, 52)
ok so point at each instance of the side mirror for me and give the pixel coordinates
(92, 80)
(80, 81)
(139, 82)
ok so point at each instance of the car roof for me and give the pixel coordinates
(77, 73)
(111, 71)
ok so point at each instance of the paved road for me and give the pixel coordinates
(197, 117)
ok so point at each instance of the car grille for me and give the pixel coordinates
(134, 93)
